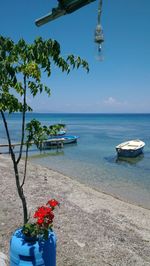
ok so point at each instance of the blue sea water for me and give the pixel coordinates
(93, 159)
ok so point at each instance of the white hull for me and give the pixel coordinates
(131, 148)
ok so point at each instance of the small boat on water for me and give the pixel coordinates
(61, 132)
(59, 140)
(130, 148)
(67, 139)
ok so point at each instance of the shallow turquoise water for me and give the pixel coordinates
(93, 159)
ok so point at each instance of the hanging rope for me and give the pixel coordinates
(99, 11)
(99, 38)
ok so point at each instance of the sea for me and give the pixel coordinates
(93, 160)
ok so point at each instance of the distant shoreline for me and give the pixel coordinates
(80, 113)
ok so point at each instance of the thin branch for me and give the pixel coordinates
(25, 166)
(8, 136)
(23, 120)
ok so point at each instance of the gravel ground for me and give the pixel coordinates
(92, 228)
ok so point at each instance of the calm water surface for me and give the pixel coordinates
(93, 159)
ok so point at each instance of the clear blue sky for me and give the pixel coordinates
(121, 83)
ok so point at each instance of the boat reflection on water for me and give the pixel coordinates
(44, 153)
(129, 160)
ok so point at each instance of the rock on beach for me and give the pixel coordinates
(3, 259)
(93, 228)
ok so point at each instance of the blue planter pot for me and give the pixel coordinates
(32, 252)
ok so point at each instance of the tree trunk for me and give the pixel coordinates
(19, 187)
(21, 193)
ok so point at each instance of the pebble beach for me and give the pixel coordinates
(92, 228)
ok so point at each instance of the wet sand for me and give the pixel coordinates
(92, 228)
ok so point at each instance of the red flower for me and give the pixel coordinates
(40, 221)
(44, 220)
(53, 203)
(51, 216)
(42, 212)
(44, 215)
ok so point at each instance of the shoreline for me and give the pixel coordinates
(92, 227)
(93, 188)
(143, 204)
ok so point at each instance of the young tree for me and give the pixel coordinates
(21, 68)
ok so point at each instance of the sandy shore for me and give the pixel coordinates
(93, 228)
